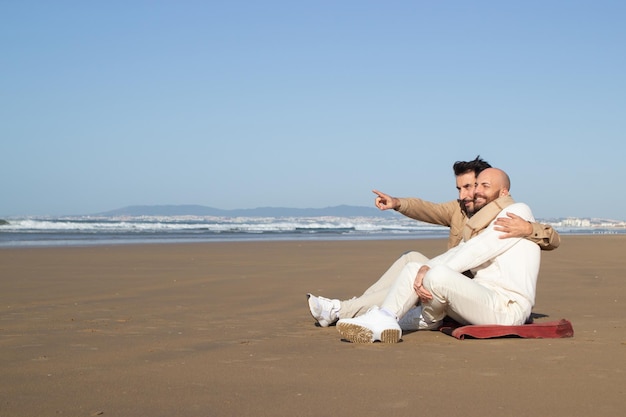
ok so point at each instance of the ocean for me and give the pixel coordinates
(89, 230)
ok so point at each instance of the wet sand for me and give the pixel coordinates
(223, 329)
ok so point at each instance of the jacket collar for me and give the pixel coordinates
(479, 221)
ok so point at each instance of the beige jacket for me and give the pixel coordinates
(451, 215)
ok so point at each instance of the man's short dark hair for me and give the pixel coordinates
(477, 166)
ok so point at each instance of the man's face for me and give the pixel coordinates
(488, 188)
(466, 184)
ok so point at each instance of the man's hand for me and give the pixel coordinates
(418, 285)
(513, 226)
(385, 202)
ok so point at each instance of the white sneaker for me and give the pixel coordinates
(370, 327)
(413, 320)
(425, 325)
(324, 310)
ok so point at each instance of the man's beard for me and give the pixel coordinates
(488, 199)
(468, 213)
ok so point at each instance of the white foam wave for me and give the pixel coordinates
(212, 224)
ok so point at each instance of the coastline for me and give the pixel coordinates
(222, 329)
(93, 231)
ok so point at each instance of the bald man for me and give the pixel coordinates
(504, 284)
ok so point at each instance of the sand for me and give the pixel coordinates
(223, 329)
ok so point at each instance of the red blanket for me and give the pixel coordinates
(548, 330)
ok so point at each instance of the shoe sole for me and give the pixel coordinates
(360, 334)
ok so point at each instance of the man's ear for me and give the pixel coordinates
(504, 192)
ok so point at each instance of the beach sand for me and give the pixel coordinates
(223, 329)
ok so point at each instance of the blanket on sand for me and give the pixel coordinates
(547, 330)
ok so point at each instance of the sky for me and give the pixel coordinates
(309, 104)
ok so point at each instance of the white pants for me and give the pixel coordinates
(375, 295)
(465, 300)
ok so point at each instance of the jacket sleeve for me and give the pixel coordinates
(425, 211)
(545, 236)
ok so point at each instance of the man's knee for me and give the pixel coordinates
(413, 256)
(438, 277)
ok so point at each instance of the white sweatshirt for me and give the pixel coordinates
(510, 266)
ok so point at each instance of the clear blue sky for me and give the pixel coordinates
(234, 104)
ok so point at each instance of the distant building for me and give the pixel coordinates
(576, 222)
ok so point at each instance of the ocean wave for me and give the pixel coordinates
(34, 231)
(89, 230)
(160, 224)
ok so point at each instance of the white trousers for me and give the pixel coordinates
(465, 300)
(376, 294)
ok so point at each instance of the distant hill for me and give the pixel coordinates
(197, 210)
